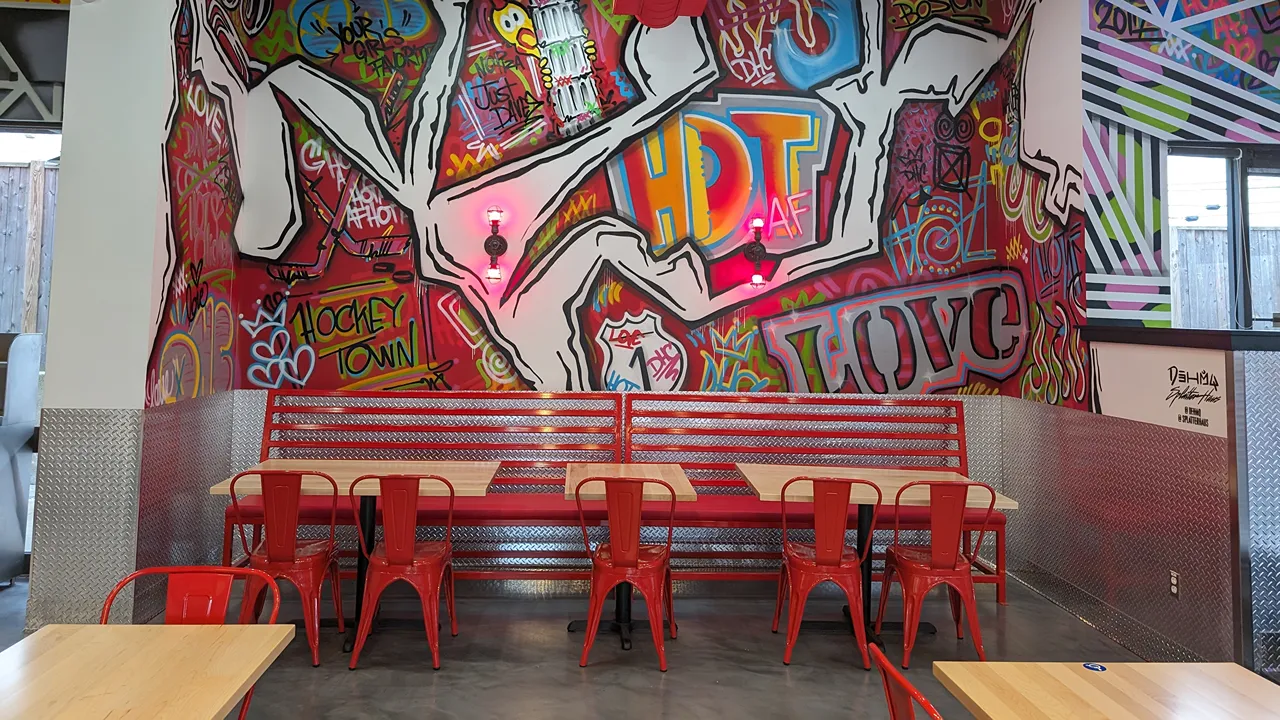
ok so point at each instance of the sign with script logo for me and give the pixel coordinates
(1170, 386)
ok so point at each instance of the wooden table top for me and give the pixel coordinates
(767, 481)
(1123, 691)
(185, 672)
(468, 478)
(672, 474)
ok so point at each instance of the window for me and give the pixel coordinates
(1223, 237)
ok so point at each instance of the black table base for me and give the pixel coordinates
(845, 627)
(622, 624)
(368, 521)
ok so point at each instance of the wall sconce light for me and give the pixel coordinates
(755, 251)
(495, 245)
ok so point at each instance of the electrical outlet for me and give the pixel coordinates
(1173, 583)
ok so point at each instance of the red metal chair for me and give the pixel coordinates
(281, 554)
(805, 565)
(920, 568)
(625, 559)
(901, 695)
(199, 596)
(425, 565)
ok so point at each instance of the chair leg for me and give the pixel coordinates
(311, 619)
(885, 586)
(249, 609)
(226, 543)
(429, 592)
(335, 574)
(669, 594)
(800, 587)
(244, 704)
(782, 594)
(375, 583)
(652, 590)
(954, 596)
(594, 611)
(1000, 573)
(852, 587)
(448, 600)
(912, 599)
(971, 608)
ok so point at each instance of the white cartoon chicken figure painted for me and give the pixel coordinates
(514, 23)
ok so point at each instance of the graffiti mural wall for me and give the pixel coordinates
(332, 164)
(1157, 71)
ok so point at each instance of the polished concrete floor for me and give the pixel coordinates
(514, 659)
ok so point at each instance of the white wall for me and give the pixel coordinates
(107, 256)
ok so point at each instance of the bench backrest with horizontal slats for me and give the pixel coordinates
(708, 433)
(532, 434)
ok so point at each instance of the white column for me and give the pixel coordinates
(109, 252)
(108, 257)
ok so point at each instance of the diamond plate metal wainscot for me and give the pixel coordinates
(1107, 508)
(1262, 422)
(250, 411)
(984, 438)
(185, 450)
(84, 538)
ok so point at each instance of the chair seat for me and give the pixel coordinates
(650, 556)
(306, 551)
(915, 558)
(424, 553)
(806, 554)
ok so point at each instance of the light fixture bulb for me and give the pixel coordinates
(495, 214)
(757, 280)
(494, 273)
(757, 223)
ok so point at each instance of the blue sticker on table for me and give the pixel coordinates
(1095, 667)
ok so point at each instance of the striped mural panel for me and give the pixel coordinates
(1157, 71)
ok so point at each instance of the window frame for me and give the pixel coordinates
(1241, 159)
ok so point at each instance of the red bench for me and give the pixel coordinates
(535, 434)
(707, 433)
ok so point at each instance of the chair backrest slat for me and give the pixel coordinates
(624, 500)
(830, 520)
(281, 495)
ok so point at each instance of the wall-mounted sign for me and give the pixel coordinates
(1176, 387)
